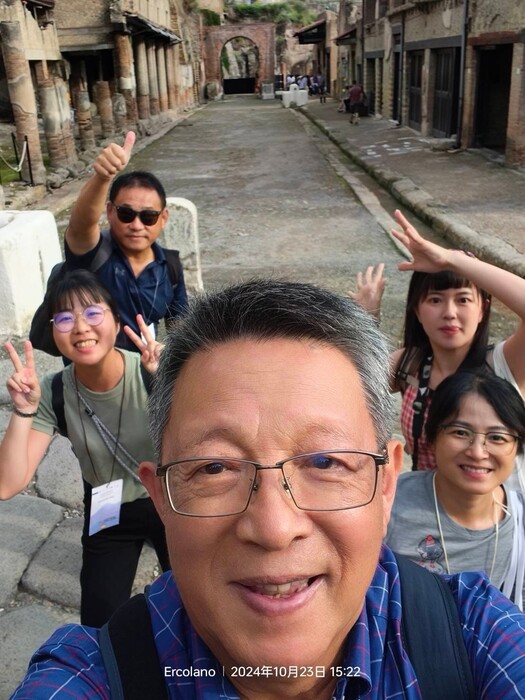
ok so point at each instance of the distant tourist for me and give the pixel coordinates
(356, 97)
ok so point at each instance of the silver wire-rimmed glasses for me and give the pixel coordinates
(496, 442)
(329, 480)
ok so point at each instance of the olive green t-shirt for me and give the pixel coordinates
(95, 457)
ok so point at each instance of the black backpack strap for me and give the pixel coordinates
(103, 253)
(57, 401)
(419, 406)
(174, 265)
(432, 636)
(130, 655)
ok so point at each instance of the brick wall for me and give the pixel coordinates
(261, 33)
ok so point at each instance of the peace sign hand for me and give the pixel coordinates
(23, 385)
(150, 348)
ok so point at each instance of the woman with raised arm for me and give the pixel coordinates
(446, 328)
(460, 517)
(100, 402)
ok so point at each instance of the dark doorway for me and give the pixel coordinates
(371, 82)
(415, 82)
(238, 86)
(446, 87)
(395, 107)
(493, 90)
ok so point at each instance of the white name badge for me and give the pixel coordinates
(151, 329)
(105, 506)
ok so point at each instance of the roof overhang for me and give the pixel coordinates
(349, 37)
(47, 4)
(313, 33)
(140, 25)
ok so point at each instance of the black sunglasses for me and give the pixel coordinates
(149, 217)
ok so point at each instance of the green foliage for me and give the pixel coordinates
(294, 12)
(211, 19)
(7, 175)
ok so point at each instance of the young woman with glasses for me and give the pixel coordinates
(105, 410)
(446, 329)
(461, 517)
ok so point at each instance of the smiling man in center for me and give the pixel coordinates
(271, 417)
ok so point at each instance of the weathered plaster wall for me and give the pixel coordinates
(500, 16)
(39, 43)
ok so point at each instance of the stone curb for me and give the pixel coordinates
(437, 215)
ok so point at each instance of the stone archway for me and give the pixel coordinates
(239, 66)
(262, 34)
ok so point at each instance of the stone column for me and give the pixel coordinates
(161, 71)
(428, 78)
(170, 76)
(57, 123)
(153, 79)
(469, 97)
(22, 97)
(126, 82)
(515, 148)
(86, 132)
(141, 70)
(105, 108)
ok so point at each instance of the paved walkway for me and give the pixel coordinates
(474, 201)
(466, 196)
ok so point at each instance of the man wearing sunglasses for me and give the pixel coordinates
(135, 269)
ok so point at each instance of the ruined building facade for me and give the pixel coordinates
(449, 68)
(95, 68)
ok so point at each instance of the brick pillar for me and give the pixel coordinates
(22, 97)
(515, 148)
(126, 82)
(105, 108)
(170, 76)
(57, 123)
(141, 72)
(161, 72)
(153, 79)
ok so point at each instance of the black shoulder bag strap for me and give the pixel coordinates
(419, 405)
(174, 265)
(130, 655)
(432, 636)
(57, 401)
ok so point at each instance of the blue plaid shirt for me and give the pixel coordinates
(69, 664)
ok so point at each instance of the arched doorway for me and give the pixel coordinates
(259, 35)
(239, 66)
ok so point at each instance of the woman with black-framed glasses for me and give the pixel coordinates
(461, 516)
(104, 399)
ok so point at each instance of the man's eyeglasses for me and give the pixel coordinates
(494, 442)
(207, 487)
(149, 217)
(64, 321)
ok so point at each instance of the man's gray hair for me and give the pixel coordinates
(267, 309)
